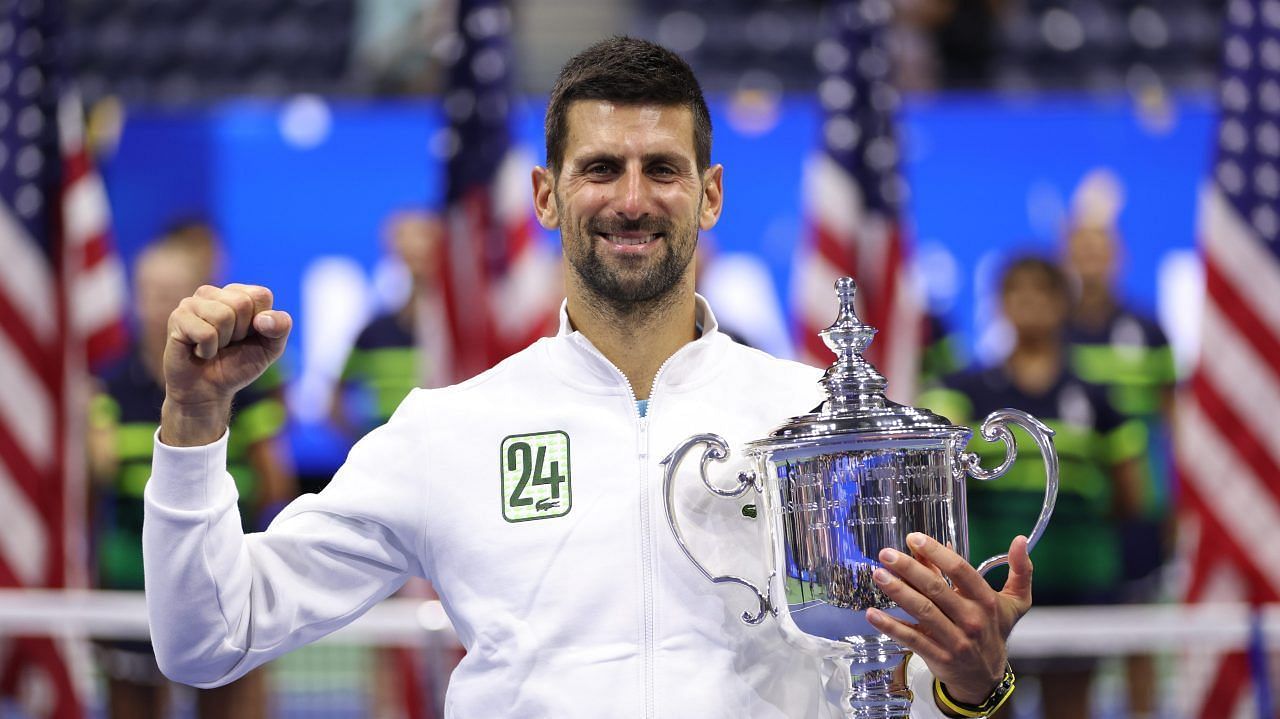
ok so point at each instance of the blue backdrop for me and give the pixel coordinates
(290, 183)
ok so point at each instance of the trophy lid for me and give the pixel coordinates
(855, 403)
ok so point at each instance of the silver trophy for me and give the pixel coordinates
(842, 483)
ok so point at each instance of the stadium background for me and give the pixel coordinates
(297, 126)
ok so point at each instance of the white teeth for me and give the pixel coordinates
(615, 239)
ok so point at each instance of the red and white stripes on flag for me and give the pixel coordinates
(495, 309)
(98, 290)
(1226, 443)
(1228, 452)
(59, 312)
(502, 286)
(53, 240)
(845, 240)
(852, 193)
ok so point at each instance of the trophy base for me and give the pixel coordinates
(879, 694)
(878, 673)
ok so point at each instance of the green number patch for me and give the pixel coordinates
(535, 476)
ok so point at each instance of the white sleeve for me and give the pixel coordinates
(221, 602)
(920, 681)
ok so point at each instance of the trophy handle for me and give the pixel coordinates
(994, 427)
(717, 449)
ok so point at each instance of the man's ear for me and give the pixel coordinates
(544, 198)
(712, 196)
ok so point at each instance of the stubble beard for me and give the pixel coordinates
(609, 288)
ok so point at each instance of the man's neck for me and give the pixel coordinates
(1094, 308)
(639, 340)
(1035, 364)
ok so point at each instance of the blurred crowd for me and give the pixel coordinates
(384, 364)
(1097, 371)
(196, 51)
(1100, 374)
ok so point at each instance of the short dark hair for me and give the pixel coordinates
(629, 71)
(1033, 264)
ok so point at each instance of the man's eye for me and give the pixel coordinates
(599, 169)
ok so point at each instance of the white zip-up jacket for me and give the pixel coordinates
(531, 496)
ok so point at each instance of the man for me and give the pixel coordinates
(570, 595)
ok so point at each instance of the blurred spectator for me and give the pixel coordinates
(1078, 558)
(1118, 348)
(397, 44)
(387, 360)
(968, 41)
(943, 352)
(386, 363)
(947, 43)
(915, 56)
(124, 416)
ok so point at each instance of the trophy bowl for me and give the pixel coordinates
(838, 485)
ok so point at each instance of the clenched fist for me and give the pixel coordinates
(220, 340)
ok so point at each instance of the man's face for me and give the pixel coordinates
(1032, 306)
(1091, 255)
(415, 237)
(163, 277)
(628, 200)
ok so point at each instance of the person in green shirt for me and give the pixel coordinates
(124, 415)
(387, 359)
(1078, 558)
(1125, 352)
(385, 363)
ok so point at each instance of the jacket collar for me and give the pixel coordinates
(578, 362)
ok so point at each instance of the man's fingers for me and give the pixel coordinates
(957, 568)
(244, 307)
(190, 329)
(262, 298)
(218, 313)
(909, 637)
(931, 602)
(1018, 585)
(240, 306)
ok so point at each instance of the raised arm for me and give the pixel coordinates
(221, 602)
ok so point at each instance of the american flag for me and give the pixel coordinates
(61, 290)
(1227, 446)
(502, 287)
(852, 195)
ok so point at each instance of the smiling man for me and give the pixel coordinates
(531, 495)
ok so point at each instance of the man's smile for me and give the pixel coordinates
(630, 239)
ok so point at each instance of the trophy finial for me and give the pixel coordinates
(847, 334)
(845, 288)
(851, 381)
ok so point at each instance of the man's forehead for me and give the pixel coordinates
(597, 122)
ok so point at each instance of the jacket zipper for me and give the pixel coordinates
(646, 527)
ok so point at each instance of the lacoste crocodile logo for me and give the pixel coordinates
(545, 504)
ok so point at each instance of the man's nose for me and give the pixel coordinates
(634, 200)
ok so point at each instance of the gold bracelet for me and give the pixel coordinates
(989, 706)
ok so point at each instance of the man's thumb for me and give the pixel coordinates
(273, 324)
(1019, 582)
